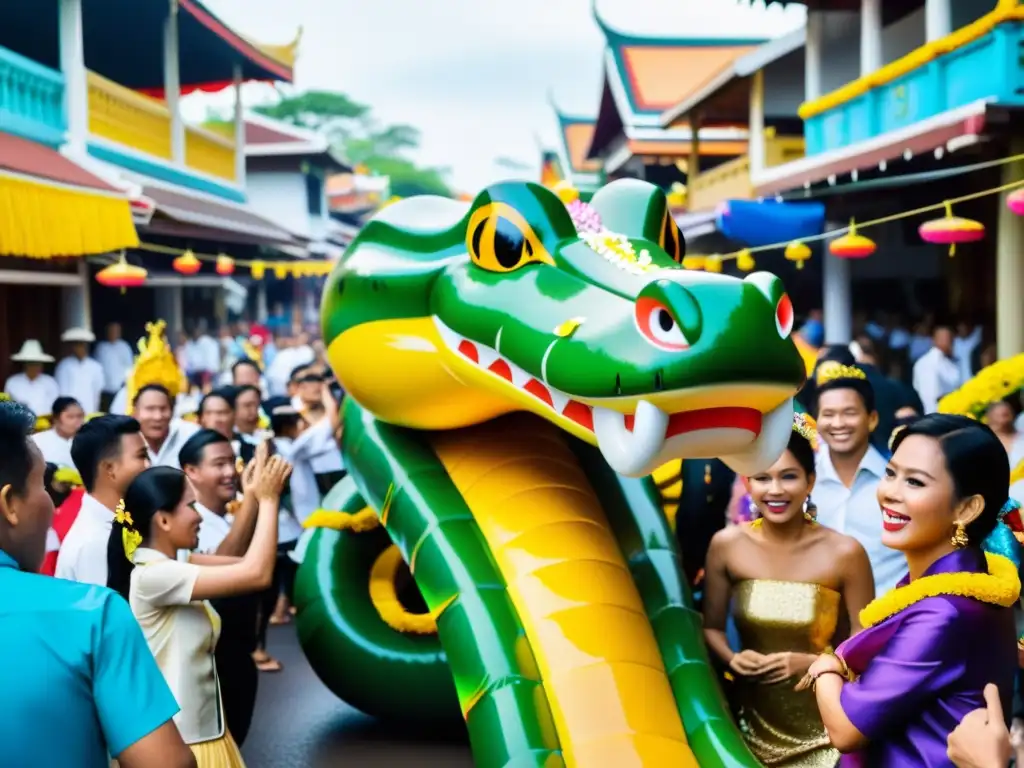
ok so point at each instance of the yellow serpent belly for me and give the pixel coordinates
(598, 659)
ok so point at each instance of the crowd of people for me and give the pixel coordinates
(877, 620)
(188, 503)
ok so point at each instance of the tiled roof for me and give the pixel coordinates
(648, 75)
(26, 157)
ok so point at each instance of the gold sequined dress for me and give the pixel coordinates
(782, 726)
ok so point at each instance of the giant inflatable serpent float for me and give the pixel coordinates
(512, 382)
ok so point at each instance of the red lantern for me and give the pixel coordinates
(951, 230)
(851, 245)
(187, 263)
(225, 265)
(121, 275)
(1015, 202)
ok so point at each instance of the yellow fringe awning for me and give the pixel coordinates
(43, 221)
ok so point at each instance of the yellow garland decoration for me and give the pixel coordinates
(257, 268)
(1000, 586)
(360, 522)
(991, 384)
(384, 597)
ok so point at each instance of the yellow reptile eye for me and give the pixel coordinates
(671, 239)
(500, 240)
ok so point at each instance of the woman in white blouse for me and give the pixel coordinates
(66, 418)
(170, 598)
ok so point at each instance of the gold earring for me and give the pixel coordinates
(960, 539)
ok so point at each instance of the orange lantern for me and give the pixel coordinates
(225, 265)
(951, 230)
(121, 275)
(187, 263)
(1015, 202)
(851, 245)
(798, 252)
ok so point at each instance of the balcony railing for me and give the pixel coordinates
(731, 180)
(142, 123)
(31, 99)
(979, 61)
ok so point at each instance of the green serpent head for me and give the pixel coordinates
(605, 334)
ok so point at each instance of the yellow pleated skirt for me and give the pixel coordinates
(222, 753)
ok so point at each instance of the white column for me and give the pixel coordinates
(870, 36)
(76, 308)
(172, 84)
(261, 301)
(938, 19)
(755, 148)
(72, 64)
(239, 129)
(1010, 267)
(813, 55)
(837, 296)
(169, 306)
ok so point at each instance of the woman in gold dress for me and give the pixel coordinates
(796, 589)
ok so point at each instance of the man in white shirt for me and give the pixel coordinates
(849, 468)
(115, 356)
(202, 353)
(287, 359)
(937, 372)
(33, 388)
(108, 453)
(209, 461)
(163, 434)
(78, 375)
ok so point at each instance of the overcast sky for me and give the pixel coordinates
(473, 75)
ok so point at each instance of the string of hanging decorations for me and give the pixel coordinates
(123, 275)
(849, 243)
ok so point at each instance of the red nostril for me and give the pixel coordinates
(784, 316)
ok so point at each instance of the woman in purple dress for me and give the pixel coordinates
(892, 694)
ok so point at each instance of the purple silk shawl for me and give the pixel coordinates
(923, 669)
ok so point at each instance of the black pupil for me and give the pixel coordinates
(665, 321)
(508, 243)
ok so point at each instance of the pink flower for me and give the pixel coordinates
(584, 217)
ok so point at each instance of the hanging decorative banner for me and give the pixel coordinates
(950, 230)
(851, 245)
(121, 275)
(187, 263)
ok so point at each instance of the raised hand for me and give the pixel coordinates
(270, 482)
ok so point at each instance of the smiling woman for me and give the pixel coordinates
(787, 609)
(896, 691)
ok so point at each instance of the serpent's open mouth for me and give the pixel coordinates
(634, 444)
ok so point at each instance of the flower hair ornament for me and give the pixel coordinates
(805, 426)
(130, 538)
(830, 370)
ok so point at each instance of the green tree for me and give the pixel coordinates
(354, 133)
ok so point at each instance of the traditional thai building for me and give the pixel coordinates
(913, 104)
(575, 135)
(287, 168)
(104, 79)
(643, 77)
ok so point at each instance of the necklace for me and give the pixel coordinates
(1000, 586)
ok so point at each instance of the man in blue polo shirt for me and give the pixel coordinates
(78, 683)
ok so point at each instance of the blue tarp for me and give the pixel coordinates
(762, 223)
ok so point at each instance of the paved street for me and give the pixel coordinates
(300, 724)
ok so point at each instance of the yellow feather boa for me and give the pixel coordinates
(1000, 586)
